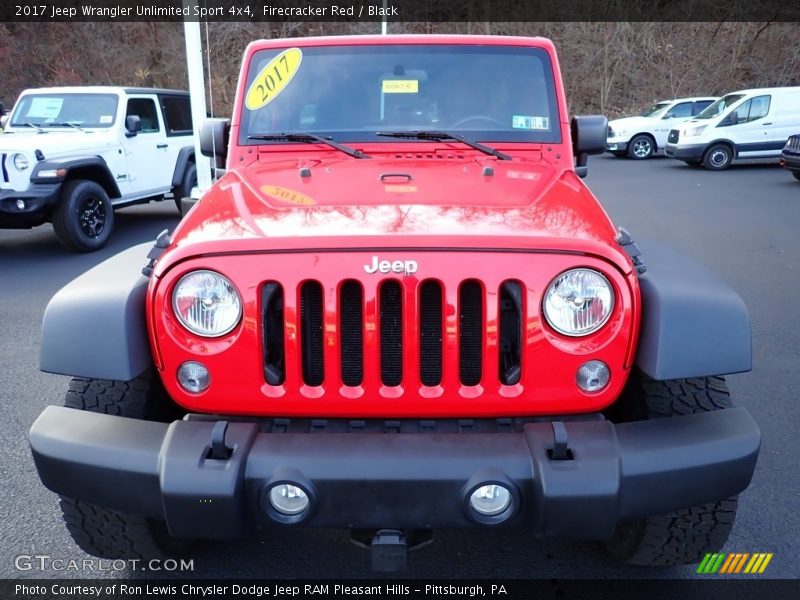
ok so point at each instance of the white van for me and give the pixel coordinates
(641, 137)
(741, 125)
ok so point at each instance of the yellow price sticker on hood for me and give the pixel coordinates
(273, 78)
(287, 195)
(400, 86)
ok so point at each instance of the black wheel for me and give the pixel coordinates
(686, 535)
(641, 147)
(184, 190)
(84, 217)
(796, 175)
(718, 157)
(105, 532)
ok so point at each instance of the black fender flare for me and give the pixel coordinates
(185, 156)
(93, 168)
(95, 326)
(693, 324)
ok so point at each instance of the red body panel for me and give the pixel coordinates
(530, 220)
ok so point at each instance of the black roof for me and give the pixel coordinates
(140, 90)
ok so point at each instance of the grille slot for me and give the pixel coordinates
(272, 311)
(3, 164)
(351, 344)
(430, 333)
(470, 342)
(311, 332)
(391, 328)
(510, 316)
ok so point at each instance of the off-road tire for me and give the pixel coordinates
(683, 536)
(184, 190)
(105, 532)
(718, 157)
(641, 147)
(84, 216)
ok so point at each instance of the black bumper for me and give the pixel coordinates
(39, 199)
(791, 160)
(693, 152)
(396, 480)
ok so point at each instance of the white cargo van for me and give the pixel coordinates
(742, 125)
(641, 137)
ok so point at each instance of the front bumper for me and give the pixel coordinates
(39, 201)
(791, 161)
(396, 480)
(617, 145)
(692, 152)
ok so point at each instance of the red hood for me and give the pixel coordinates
(422, 201)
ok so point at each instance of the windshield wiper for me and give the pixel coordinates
(443, 135)
(67, 124)
(36, 127)
(309, 137)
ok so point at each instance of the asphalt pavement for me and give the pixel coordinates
(742, 223)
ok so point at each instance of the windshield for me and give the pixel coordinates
(656, 109)
(720, 106)
(490, 93)
(65, 110)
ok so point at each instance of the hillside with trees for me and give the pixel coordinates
(610, 68)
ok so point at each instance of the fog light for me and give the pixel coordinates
(194, 377)
(490, 500)
(593, 376)
(288, 499)
(21, 204)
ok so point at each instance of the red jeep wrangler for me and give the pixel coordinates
(400, 310)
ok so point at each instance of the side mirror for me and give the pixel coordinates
(588, 137)
(133, 125)
(214, 138)
(3, 120)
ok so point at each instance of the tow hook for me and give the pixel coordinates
(389, 548)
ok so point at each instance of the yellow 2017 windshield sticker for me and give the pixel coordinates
(400, 86)
(273, 78)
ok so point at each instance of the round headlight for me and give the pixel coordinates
(21, 162)
(206, 303)
(578, 302)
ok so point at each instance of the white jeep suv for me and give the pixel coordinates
(70, 155)
(641, 137)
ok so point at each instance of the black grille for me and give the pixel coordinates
(470, 342)
(393, 304)
(673, 136)
(272, 309)
(430, 333)
(510, 313)
(793, 142)
(391, 327)
(351, 344)
(311, 332)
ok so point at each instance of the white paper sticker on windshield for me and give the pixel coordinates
(400, 86)
(530, 122)
(106, 118)
(45, 108)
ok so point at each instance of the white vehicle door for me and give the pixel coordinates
(177, 115)
(749, 128)
(676, 114)
(146, 153)
(785, 116)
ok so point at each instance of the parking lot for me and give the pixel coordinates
(742, 223)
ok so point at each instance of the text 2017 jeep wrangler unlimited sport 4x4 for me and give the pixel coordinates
(400, 310)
